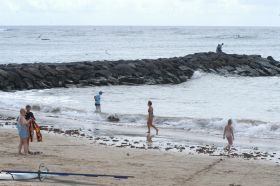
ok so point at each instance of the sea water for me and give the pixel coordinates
(29, 44)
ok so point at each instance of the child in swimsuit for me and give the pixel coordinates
(22, 126)
(228, 133)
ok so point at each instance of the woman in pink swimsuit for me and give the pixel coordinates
(228, 133)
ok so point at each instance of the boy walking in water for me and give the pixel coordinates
(97, 99)
(150, 118)
(228, 133)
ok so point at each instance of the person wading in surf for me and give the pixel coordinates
(228, 133)
(97, 99)
(150, 118)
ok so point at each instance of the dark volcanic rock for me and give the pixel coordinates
(132, 72)
(113, 118)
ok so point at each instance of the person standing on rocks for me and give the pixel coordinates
(219, 48)
(228, 133)
(151, 118)
(97, 99)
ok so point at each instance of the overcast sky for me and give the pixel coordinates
(141, 12)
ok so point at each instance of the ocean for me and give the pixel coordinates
(21, 44)
(200, 106)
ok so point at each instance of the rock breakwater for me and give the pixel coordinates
(132, 72)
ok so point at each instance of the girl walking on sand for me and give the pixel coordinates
(228, 133)
(151, 118)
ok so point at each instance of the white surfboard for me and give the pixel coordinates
(17, 176)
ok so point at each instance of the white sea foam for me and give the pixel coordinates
(197, 74)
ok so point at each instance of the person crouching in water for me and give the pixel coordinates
(22, 126)
(228, 133)
(151, 118)
(97, 99)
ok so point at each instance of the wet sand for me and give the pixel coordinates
(149, 167)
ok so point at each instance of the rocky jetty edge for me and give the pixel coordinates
(132, 72)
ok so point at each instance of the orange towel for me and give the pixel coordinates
(35, 127)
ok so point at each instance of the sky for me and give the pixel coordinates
(141, 12)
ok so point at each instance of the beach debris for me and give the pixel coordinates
(113, 118)
(168, 148)
(5, 118)
(56, 130)
(44, 127)
(206, 149)
(72, 132)
(247, 155)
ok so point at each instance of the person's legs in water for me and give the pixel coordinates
(149, 138)
(150, 124)
(155, 128)
(98, 108)
(149, 128)
(229, 138)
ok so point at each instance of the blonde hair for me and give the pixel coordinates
(22, 111)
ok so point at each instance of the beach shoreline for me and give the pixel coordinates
(169, 140)
(149, 167)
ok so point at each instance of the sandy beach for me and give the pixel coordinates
(149, 167)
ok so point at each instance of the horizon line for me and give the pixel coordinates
(142, 25)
